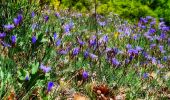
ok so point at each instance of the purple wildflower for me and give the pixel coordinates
(9, 26)
(55, 36)
(145, 75)
(57, 14)
(58, 42)
(45, 69)
(75, 51)
(13, 39)
(162, 49)
(46, 18)
(85, 75)
(63, 52)
(86, 54)
(2, 35)
(27, 78)
(152, 46)
(5, 44)
(34, 39)
(50, 86)
(20, 18)
(128, 46)
(93, 56)
(33, 14)
(16, 21)
(115, 62)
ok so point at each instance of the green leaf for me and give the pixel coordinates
(35, 68)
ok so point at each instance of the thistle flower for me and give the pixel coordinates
(50, 86)
(2, 35)
(34, 39)
(45, 69)
(85, 75)
(13, 39)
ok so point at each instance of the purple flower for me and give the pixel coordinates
(92, 41)
(57, 14)
(33, 14)
(145, 75)
(13, 39)
(102, 23)
(58, 42)
(152, 46)
(104, 39)
(151, 31)
(27, 78)
(138, 48)
(45, 69)
(16, 21)
(75, 51)
(5, 44)
(163, 36)
(2, 35)
(34, 39)
(63, 52)
(85, 75)
(50, 86)
(165, 58)
(20, 18)
(46, 18)
(115, 62)
(128, 46)
(93, 56)
(66, 28)
(161, 49)
(9, 26)
(86, 54)
(55, 36)
(154, 60)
